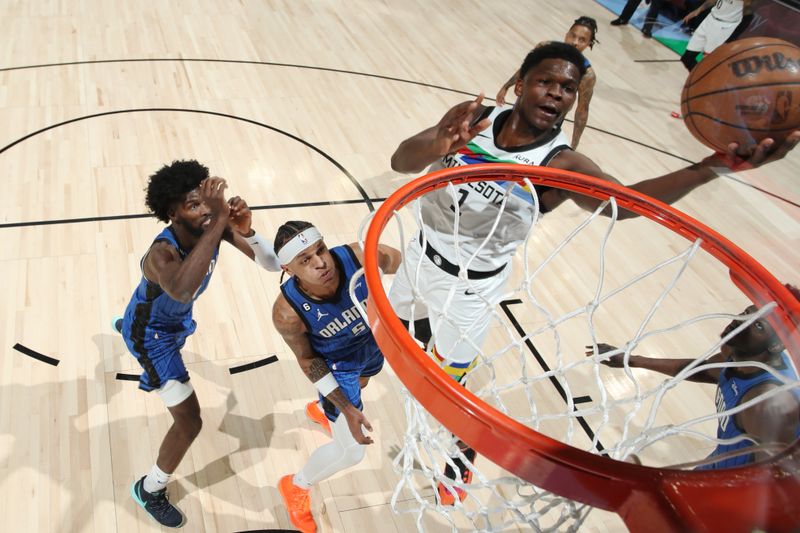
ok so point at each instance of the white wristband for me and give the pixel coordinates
(327, 384)
(265, 255)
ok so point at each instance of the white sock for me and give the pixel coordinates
(156, 480)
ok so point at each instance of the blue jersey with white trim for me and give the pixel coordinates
(730, 391)
(151, 308)
(335, 325)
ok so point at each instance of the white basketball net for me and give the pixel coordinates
(622, 419)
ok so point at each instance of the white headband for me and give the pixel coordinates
(299, 243)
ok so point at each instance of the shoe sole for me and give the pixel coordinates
(153, 518)
(326, 428)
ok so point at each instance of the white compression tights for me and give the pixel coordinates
(342, 452)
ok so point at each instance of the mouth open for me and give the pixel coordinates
(549, 110)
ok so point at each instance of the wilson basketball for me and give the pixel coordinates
(743, 92)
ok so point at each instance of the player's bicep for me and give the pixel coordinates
(161, 266)
(575, 162)
(773, 420)
(585, 91)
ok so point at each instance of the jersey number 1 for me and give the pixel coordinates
(464, 193)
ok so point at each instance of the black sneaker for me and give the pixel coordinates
(157, 505)
(619, 22)
(116, 323)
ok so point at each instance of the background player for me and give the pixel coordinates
(772, 421)
(176, 269)
(717, 27)
(333, 345)
(582, 34)
(528, 133)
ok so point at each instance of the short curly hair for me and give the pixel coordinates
(170, 185)
(553, 50)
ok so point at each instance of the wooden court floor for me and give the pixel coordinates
(299, 105)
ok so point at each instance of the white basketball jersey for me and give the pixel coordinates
(479, 202)
(728, 10)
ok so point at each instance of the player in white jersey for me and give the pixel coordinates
(526, 134)
(715, 29)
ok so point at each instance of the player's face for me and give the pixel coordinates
(193, 214)
(547, 92)
(754, 339)
(579, 36)
(315, 266)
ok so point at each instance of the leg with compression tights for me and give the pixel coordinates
(341, 453)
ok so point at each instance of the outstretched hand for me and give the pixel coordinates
(766, 151)
(455, 129)
(356, 419)
(615, 361)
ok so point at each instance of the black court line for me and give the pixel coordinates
(255, 364)
(582, 399)
(305, 143)
(127, 377)
(148, 215)
(656, 60)
(585, 425)
(36, 355)
(340, 71)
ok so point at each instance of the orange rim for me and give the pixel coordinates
(677, 500)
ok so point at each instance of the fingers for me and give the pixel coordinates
(794, 290)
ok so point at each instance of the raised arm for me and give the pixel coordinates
(501, 94)
(293, 331)
(668, 366)
(241, 234)
(180, 279)
(452, 132)
(673, 186)
(585, 92)
(388, 257)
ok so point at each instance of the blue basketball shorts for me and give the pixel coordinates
(159, 354)
(365, 361)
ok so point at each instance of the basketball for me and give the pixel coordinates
(743, 92)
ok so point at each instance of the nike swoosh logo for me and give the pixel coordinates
(469, 292)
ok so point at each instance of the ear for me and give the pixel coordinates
(286, 270)
(518, 87)
(172, 212)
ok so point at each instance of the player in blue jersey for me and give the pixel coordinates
(176, 269)
(334, 347)
(772, 422)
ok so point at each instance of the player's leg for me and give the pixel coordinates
(721, 32)
(341, 453)
(165, 373)
(401, 294)
(627, 13)
(459, 330)
(696, 44)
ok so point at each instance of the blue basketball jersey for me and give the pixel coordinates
(335, 326)
(153, 309)
(730, 391)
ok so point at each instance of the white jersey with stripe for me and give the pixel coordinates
(479, 202)
(728, 10)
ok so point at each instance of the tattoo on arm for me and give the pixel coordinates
(317, 369)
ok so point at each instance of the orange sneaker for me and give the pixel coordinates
(298, 503)
(315, 414)
(446, 497)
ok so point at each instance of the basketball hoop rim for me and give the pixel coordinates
(535, 457)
